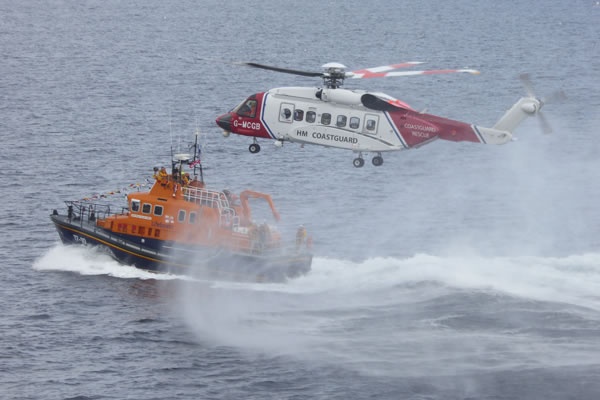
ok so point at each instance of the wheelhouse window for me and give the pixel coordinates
(298, 115)
(311, 116)
(325, 118)
(192, 217)
(181, 216)
(146, 208)
(341, 121)
(354, 122)
(248, 109)
(371, 125)
(158, 210)
(135, 205)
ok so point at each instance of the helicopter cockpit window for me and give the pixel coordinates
(248, 109)
(298, 115)
(341, 121)
(354, 122)
(311, 116)
(371, 125)
(325, 118)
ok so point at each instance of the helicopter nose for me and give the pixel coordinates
(224, 121)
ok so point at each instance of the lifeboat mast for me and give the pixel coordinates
(178, 160)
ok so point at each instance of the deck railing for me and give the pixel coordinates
(216, 200)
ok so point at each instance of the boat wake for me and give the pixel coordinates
(572, 279)
(391, 316)
(92, 261)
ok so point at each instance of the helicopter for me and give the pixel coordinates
(359, 120)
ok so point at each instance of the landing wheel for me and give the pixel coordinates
(377, 161)
(358, 162)
(254, 148)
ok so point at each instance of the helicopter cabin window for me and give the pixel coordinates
(181, 216)
(341, 121)
(311, 116)
(354, 122)
(371, 125)
(248, 109)
(135, 205)
(298, 115)
(286, 112)
(158, 210)
(192, 217)
(325, 118)
(146, 208)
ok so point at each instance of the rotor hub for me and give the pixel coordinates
(333, 75)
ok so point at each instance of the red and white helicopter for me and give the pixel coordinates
(359, 120)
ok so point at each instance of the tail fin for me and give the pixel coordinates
(501, 133)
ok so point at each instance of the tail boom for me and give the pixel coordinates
(525, 107)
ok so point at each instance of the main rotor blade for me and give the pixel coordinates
(555, 97)
(384, 68)
(411, 73)
(278, 69)
(526, 82)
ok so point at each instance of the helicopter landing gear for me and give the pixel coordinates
(377, 160)
(254, 147)
(358, 162)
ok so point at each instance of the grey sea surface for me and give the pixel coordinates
(454, 271)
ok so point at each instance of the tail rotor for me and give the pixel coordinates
(534, 107)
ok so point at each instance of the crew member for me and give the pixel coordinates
(253, 235)
(300, 235)
(264, 234)
(163, 175)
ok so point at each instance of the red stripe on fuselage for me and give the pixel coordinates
(417, 128)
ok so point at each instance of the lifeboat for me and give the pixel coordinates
(180, 226)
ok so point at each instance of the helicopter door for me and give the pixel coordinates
(371, 122)
(286, 112)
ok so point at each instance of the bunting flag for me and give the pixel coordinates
(126, 190)
(197, 162)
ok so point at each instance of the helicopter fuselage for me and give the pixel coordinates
(358, 120)
(338, 118)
